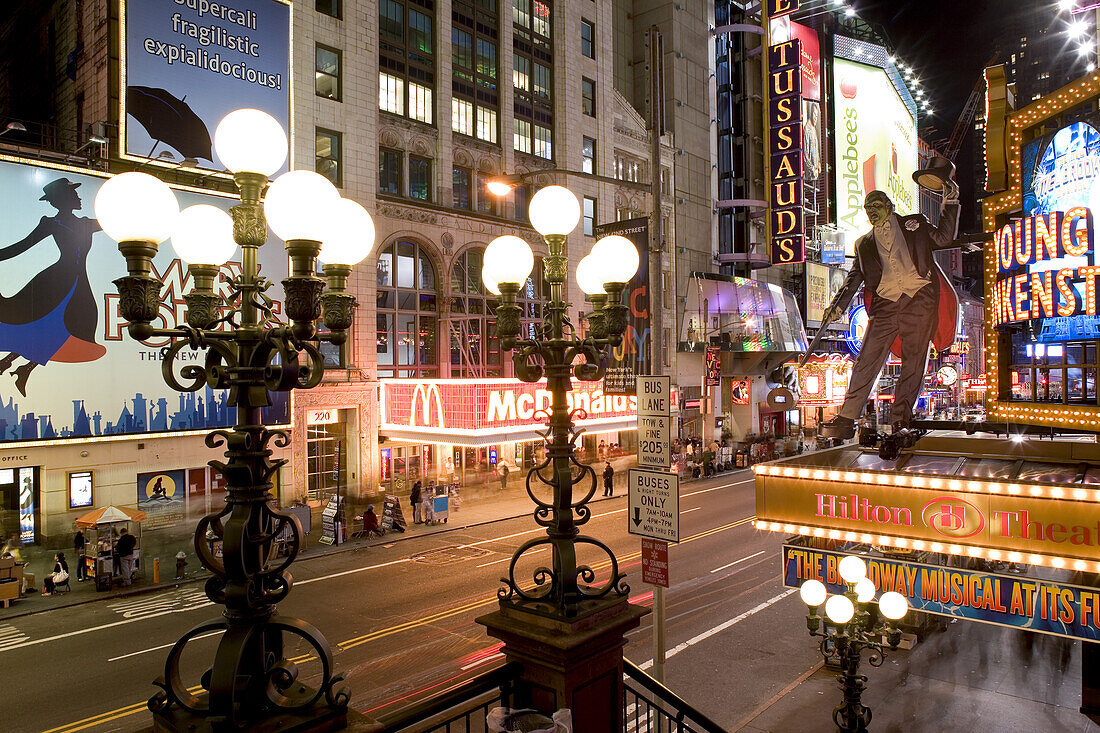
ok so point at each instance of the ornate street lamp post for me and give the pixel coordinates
(852, 630)
(565, 589)
(250, 352)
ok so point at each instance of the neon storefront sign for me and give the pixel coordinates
(485, 406)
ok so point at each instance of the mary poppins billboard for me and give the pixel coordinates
(67, 367)
(189, 63)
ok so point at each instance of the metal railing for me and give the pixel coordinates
(462, 709)
(650, 707)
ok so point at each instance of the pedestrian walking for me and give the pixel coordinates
(502, 468)
(79, 542)
(608, 480)
(414, 499)
(181, 564)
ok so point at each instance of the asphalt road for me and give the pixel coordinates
(401, 616)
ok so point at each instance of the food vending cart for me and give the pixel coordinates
(102, 527)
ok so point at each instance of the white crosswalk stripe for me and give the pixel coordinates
(9, 636)
(178, 600)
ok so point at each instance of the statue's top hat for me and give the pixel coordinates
(939, 171)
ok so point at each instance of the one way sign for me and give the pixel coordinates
(654, 505)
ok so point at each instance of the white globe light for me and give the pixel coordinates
(839, 609)
(299, 204)
(554, 210)
(813, 593)
(136, 207)
(618, 258)
(589, 277)
(865, 590)
(489, 277)
(350, 235)
(250, 141)
(852, 568)
(204, 235)
(893, 605)
(509, 258)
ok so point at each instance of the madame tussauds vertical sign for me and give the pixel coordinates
(188, 63)
(785, 142)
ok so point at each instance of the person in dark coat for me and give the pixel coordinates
(608, 479)
(59, 576)
(124, 548)
(78, 552)
(370, 522)
(414, 499)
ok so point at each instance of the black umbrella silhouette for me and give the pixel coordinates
(170, 121)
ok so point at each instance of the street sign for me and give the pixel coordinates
(653, 398)
(655, 441)
(654, 504)
(655, 562)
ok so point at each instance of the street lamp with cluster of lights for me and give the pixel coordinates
(251, 352)
(564, 590)
(851, 629)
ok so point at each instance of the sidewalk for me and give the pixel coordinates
(479, 506)
(971, 676)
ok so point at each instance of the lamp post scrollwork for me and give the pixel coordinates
(250, 352)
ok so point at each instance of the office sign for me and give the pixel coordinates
(1026, 603)
(653, 509)
(186, 64)
(655, 562)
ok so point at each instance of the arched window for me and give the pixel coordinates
(407, 335)
(475, 348)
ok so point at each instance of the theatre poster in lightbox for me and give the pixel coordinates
(1060, 172)
(189, 63)
(67, 366)
(160, 496)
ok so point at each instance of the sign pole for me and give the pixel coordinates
(659, 634)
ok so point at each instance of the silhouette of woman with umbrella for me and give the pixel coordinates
(54, 316)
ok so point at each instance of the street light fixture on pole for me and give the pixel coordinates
(565, 589)
(851, 631)
(249, 351)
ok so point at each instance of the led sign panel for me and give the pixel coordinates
(876, 143)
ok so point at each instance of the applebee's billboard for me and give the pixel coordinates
(876, 143)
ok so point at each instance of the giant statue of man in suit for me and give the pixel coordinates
(894, 264)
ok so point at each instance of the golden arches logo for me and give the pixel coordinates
(424, 397)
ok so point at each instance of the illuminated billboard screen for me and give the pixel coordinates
(67, 366)
(876, 144)
(1051, 247)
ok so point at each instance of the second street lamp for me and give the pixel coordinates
(566, 589)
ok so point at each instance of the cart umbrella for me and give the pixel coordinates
(109, 515)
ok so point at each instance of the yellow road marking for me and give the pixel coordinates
(382, 633)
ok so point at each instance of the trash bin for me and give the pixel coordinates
(740, 458)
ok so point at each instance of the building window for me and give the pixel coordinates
(406, 59)
(389, 172)
(476, 68)
(520, 202)
(329, 7)
(328, 156)
(533, 57)
(486, 202)
(475, 349)
(588, 38)
(588, 97)
(542, 142)
(420, 178)
(328, 72)
(406, 312)
(462, 116)
(460, 184)
(588, 155)
(589, 216)
(335, 355)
